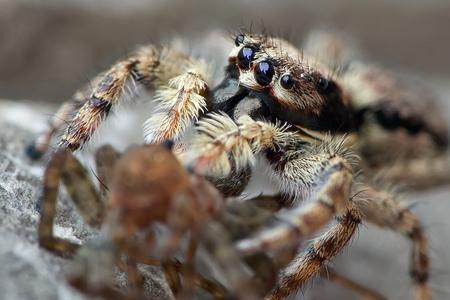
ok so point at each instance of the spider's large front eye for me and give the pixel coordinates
(239, 40)
(264, 72)
(286, 81)
(245, 57)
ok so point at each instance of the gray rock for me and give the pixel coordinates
(375, 258)
(28, 272)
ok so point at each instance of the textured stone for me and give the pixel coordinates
(376, 258)
(26, 271)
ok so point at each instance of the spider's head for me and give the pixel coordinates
(267, 66)
(277, 73)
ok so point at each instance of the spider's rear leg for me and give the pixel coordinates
(384, 211)
(398, 113)
(64, 166)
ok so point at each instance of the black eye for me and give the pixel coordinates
(245, 56)
(239, 39)
(264, 73)
(323, 84)
(287, 82)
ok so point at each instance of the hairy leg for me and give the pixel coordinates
(383, 210)
(55, 124)
(324, 179)
(220, 139)
(307, 264)
(181, 91)
(321, 173)
(64, 166)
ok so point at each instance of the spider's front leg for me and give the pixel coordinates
(323, 174)
(323, 177)
(181, 91)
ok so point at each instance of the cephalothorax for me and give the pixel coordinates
(291, 110)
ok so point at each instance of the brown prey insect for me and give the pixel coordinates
(147, 185)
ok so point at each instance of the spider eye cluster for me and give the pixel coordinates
(245, 57)
(286, 81)
(264, 72)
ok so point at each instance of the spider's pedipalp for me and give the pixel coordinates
(220, 137)
(180, 102)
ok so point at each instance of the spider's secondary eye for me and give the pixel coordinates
(245, 56)
(287, 82)
(264, 72)
(239, 40)
(323, 84)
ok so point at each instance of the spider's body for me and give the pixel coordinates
(281, 105)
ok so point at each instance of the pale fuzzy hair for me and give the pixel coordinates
(218, 138)
(179, 104)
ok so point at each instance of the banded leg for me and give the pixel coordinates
(333, 176)
(64, 166)
(297, 224)
(56, 123)
(307, 264)
(384, 211)
(181, 91)
(320, 173)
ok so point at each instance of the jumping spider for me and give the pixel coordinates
(281, 104)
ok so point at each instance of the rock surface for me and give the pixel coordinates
(28, 272)
(375, 258)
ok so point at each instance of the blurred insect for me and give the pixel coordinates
(147, 185)
(278, 103)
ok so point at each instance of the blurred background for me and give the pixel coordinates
(49, 48)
